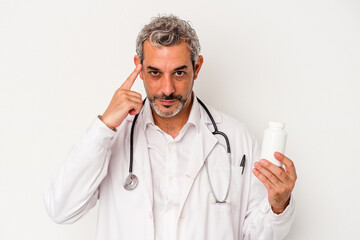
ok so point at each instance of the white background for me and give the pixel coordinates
(291, 61)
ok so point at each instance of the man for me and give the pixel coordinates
(186, 188)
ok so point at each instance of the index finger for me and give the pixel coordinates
(289, 165)
(131, 79)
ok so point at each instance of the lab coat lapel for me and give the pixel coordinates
(205, 141)
(142, 166)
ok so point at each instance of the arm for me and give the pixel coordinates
(75, 188)
(278, 181)
(73, 191)
(264, 221)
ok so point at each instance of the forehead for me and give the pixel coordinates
(169, 56)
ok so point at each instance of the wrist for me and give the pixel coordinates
(278, 210)
(107, 124)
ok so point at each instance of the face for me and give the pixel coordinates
(168, 76)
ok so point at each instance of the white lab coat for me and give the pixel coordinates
(98, 164)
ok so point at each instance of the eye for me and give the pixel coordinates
(179, 73)
(154, 73)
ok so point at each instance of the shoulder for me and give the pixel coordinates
(221, 118)
(228, 124)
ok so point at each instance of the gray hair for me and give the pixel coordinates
(168, 31)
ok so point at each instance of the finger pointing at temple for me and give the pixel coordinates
(124, 102)
(131, 79)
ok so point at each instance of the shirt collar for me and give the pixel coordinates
(194, 117)
(147, 115)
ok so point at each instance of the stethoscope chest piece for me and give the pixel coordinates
(131, 182)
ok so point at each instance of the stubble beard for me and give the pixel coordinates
(155, 107)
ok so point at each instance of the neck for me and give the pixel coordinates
(173, 125)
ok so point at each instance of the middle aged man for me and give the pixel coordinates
(182, 169)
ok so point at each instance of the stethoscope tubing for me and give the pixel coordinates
(131, 181)
(216, 131)
(132, 141)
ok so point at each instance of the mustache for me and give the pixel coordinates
(168, 97)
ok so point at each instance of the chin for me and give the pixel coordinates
(167, 111)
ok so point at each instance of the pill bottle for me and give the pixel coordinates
(274, 140)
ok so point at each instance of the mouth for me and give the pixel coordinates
(167, 103)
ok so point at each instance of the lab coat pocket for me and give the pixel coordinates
(220, 180)
(222, 174)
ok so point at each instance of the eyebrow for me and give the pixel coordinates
(176, 69)
(153, 68)
(181, 68)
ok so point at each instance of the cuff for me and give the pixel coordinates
(100, 134)
(287, 213)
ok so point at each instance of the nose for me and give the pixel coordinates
(167, 85)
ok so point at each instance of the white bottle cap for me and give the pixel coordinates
(276, 124)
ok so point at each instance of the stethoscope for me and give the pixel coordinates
(132, 180)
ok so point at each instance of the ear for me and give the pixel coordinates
(198, 66)
(137, 61)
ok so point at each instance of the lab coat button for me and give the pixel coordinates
(169, 207)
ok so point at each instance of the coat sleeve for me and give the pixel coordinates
(74, 190)
(260, 221)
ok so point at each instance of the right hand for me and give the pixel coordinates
(124, 102)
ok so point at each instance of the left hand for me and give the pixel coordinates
(278, 181)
